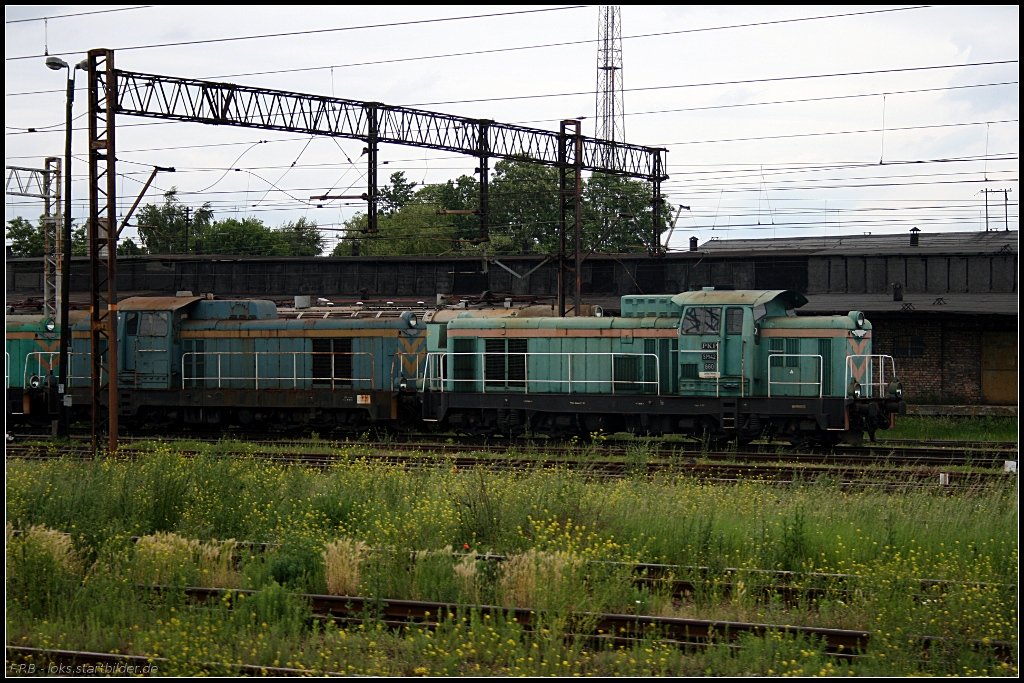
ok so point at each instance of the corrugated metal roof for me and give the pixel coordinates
(912, 304)
(982, 242)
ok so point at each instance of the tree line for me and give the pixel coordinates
(524, 214)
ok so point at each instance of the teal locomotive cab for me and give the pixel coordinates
(714, 353)
(718, 339)
(148, 333)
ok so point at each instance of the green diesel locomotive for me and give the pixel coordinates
(717, 364)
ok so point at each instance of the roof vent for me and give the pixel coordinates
(693, 244)
(914, 235)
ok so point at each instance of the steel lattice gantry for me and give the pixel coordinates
(113, 91)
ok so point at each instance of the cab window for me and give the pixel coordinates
(701, 320)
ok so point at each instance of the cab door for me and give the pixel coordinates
(733, 369)
(146, 350)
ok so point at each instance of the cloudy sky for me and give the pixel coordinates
(777, 121)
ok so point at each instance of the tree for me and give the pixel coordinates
(301, 238)
(525, 216)
(26, 238)
(524, 205)
(394, 196)
(245, 237)
(415, 230)
(80, 241)
(617, 214)
(172, 227)
(461, 195)
(351, 243)
(128, 247)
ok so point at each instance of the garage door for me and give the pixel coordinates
(999, 367)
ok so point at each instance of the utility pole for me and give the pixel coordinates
(1006, 212)
(188, 221)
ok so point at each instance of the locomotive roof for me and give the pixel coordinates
(744, 297)
(156, 303)
(581, 323)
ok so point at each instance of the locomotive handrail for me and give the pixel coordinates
(39, 365)
(399, 360)
(256, 378)
(436, 376)
(868, 368)
(51, 365)
(821, 371)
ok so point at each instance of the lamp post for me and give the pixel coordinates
(56, 64)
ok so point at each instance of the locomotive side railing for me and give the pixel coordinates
(438, 373)
(195, 359)
(407, 370)
(780, 383)
(54, 363)
(44, 363)
(872, 371)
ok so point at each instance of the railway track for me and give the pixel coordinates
(598, 629)
(949, 470)
(994, 455)
(685, 581)
(909, 476)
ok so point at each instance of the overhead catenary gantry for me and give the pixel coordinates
(113, 91)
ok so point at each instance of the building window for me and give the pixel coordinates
(908, 346)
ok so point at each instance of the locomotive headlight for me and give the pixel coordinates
(895, 389)
(858, 318)
(49, 324)
(853, 390)
(34, 381)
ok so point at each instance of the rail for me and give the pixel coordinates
(437, 374)
(242, 380)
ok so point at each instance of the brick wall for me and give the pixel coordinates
(937, 359)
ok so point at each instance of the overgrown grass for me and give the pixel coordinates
(971, 429)
(389, 532)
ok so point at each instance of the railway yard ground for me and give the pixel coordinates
(610, 557)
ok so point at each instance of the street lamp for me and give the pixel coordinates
(56, 64)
